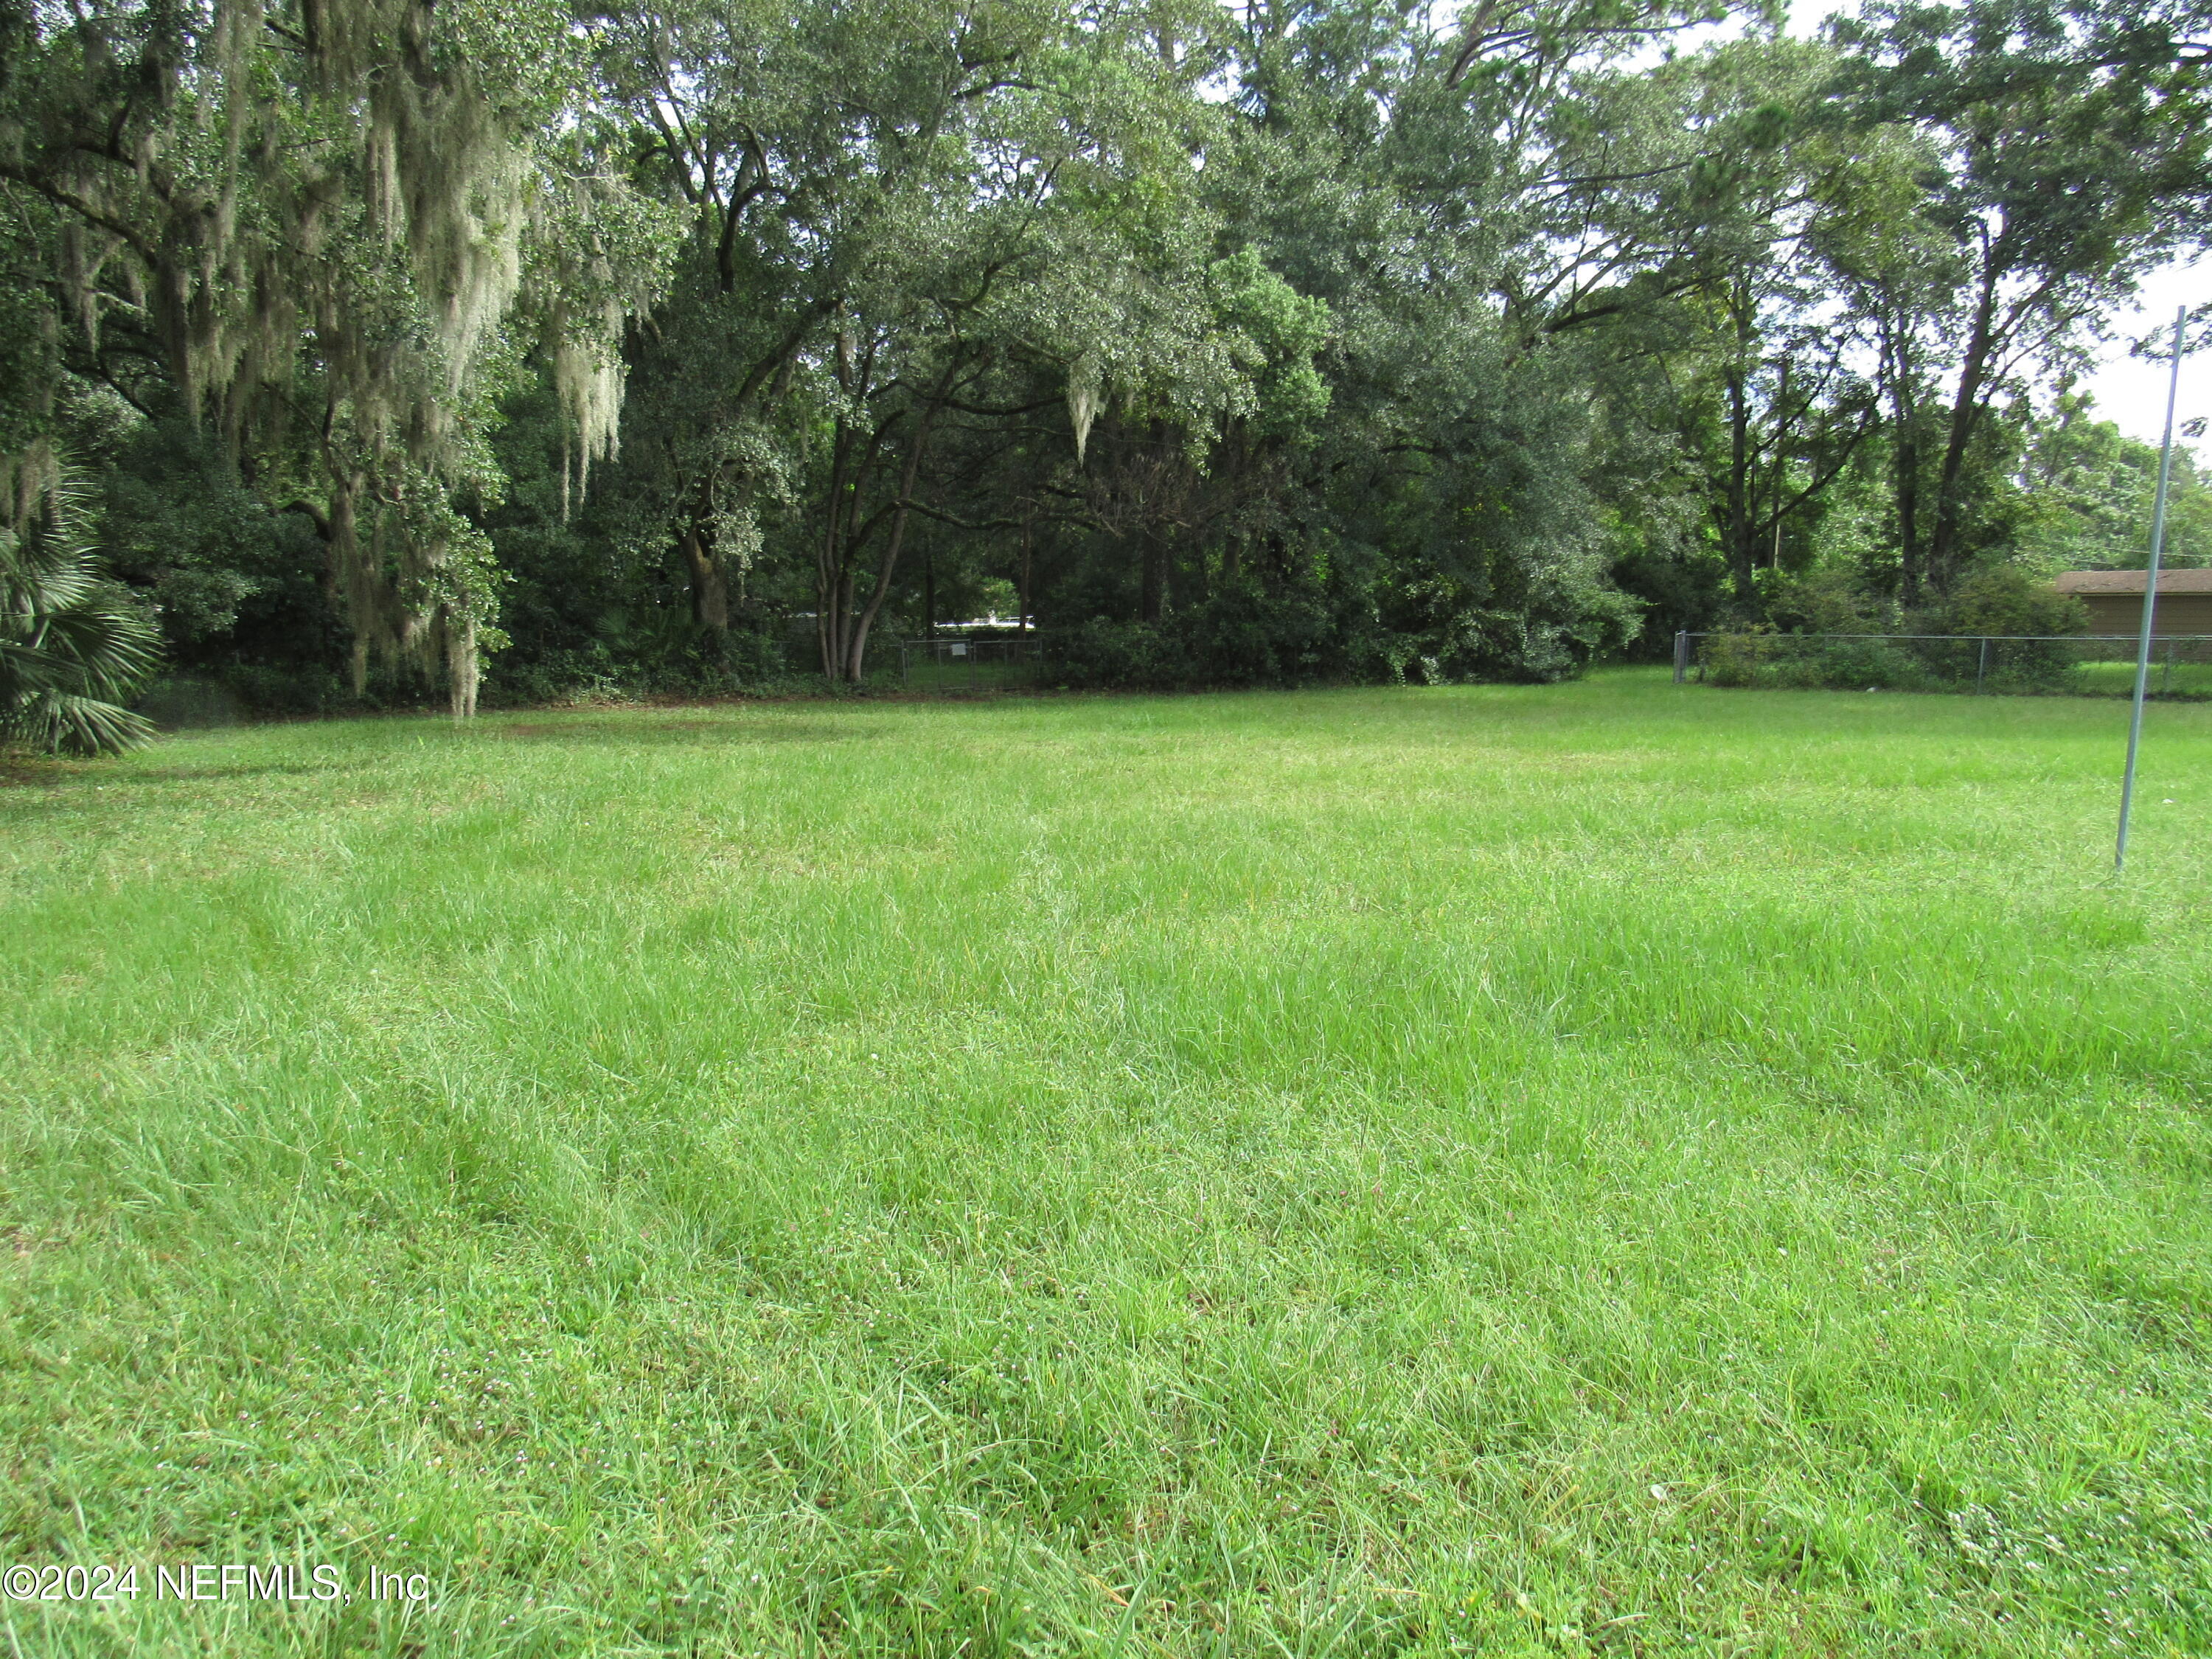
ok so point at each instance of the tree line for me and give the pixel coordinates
(355, 350)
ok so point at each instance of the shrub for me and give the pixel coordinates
(1859, 664)
(1824, 601)
(2000, 603)
(1243, 635)
(1105, 655)
(2004, 598)
(1736, 659)
(2005, 601)
(1808, 663)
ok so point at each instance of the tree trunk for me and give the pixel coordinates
(1780, 463)
(710, 588)
(464, 669)
(828, 560)
(856, 656)
(1905, 461)
(1022, 599)
(1739, 537)
(1966, 413)
(833, 574)
(855, 538)
(842, 537)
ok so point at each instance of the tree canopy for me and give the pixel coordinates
(698, 342)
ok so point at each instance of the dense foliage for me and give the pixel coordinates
(72, 644)
(687, 342)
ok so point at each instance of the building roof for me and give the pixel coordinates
(2087, 582)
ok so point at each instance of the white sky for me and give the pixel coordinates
(2130, 391)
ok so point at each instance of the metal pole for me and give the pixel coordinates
(1982, 672)
(1681, 655)
(2150, 598)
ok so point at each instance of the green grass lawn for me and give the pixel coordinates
(1611, 1168)
(2167, 678)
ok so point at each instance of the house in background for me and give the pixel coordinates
(2115, 600)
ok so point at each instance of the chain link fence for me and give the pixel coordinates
(970, 663)
(2078, 665)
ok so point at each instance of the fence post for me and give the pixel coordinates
(1982, 672)
(1681, 655)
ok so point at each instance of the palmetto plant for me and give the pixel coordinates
(73, 646)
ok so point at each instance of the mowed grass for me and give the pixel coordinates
(1610, 1167)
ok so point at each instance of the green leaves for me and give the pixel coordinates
(1274, 332)
(1420, 323)
(335, 233)
(74, 646)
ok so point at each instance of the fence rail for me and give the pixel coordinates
(1989, 662)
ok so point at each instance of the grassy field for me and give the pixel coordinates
(1611, 1168)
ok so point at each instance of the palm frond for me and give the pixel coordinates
(67, 723)
(105, 639)
(73, 644)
